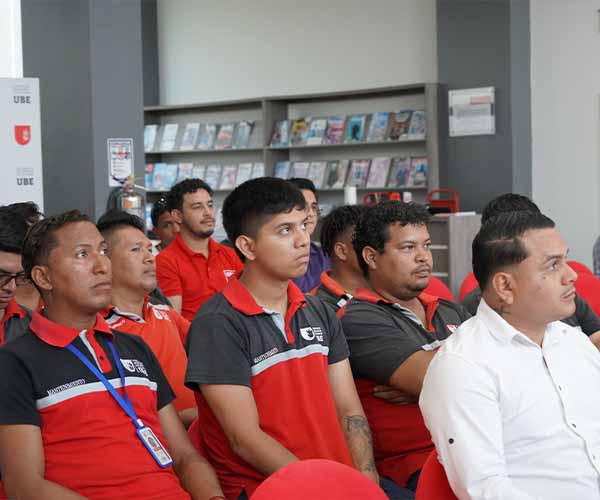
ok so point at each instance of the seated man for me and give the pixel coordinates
(163, 224)
(270, 364)
(393, 331)
(65, 432)
(510, 398)
(134, 277)
(339, 284)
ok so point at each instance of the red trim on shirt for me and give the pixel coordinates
(333, 286)
(12, 309)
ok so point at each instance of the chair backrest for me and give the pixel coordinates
(579, 267)
(438, 288)
(433, 484)
(588, 288)
(468, 285)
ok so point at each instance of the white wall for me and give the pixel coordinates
(211, 50)
(565, 81)
(11, 52)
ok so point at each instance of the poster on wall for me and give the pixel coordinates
(120, 160)
(20, 141)
(472, 111)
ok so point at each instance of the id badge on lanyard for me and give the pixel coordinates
(147, 437)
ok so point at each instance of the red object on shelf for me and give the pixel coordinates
(375, 197)
(451, 202)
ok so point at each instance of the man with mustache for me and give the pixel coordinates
(393, 331)
(194, 266)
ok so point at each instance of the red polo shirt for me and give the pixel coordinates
(13, 310)
(191, 275)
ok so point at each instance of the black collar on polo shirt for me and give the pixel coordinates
(240, 298)
(61, 336)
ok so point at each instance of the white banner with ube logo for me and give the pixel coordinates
(20, 141)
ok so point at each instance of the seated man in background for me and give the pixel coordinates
(394, 330)
(511, 398)
(318, 261)
(134, 277)
(339, 284)
(65, 432)
(163, 224)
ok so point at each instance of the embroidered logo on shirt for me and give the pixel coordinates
(158, 314)
(64, 387)
(452, 328)
(311, 332)
(228, 273)
(266, 355)
(133, 365)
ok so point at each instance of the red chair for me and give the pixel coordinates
(579, 268)
(433, 484)
(438, 288)
(468, 285)
(588, 288)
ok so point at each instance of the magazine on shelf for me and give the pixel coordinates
(335, 130)
(190, 136)
(299, 131)
(282, 170)
(242, 134)
(169, 134)
(359, 171)
(400, 173)
(148, 213)
(150, 132)
(280, 136)
(244, 173)
(258, 170)
(199, 171)
(148, 175)
(418, 170)
(336, 174)
(378, 173)
(355, 129)
(228, 177)
(164, 176)
(316, 173)
(399, 125)
(185, 171)
(299, 169)
(213, 175)
(418, 125)
(316, 132)
(378, 127)
(224, 138)
(206, 136)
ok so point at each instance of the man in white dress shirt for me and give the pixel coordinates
(512, 399)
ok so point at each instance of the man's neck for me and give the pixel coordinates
(63, 315)
(533, 331)
(412, 302)
(348, 280)
(267, 292)
(2, 313)
(27, 296)
(129, 301)
(195, 243)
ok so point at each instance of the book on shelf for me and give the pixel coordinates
(280, 135)
(299, 131)
(244, 173)
(299, 169)
(359, 171)
(335, 130)
(418, 125)
(316, 173)
(399, 125)
(337, 171)
(198, 171)
(418, 170)
(184, 171)
(282, 170)
(206, 136)
(316, 131)
(378, 127)
(258, 170)
(355, 129)
(212, 176)
(164, 176)
(399, 173)
(148, 216)
(228, 177)
(242, 134)
(224, 138)
(150, 132)
(169, 135)
(190, 136)
(148, 175)
(378, 173)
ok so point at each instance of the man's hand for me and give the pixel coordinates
(393, 396)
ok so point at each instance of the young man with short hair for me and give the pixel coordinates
(163, 224)
(270, 364)
(85, 411)
(393, 331)
(131, 311)
(194, 266)
(511, 397)
(318, 261)
(339, 284)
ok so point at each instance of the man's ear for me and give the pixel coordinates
(246, 245)
(177, 215)
(340, 251)
(40, 275)
(369, 255)
(503, 285)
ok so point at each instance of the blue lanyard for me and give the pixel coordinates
(124, 403)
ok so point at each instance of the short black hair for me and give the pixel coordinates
(111, 221)
(159, 208)
(302, 183)
(176, 193)
(373, 228)
(337, 222)
(498, 243)
(13, 228)
(251, 203)
(41, 239)
(507, 202)
(29, 210)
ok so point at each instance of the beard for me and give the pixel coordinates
(203, 234)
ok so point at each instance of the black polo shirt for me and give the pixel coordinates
(331, 293)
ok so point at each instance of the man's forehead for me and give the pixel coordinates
(200, 195)
(544, 242)
(408, 231)
(10, 262)
(131, 234)
(293, 216)
(78, 233)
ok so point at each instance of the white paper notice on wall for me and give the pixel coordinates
(120, 160)
(472, 111)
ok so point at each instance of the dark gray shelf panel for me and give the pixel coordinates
(206, 151)
(348, 145)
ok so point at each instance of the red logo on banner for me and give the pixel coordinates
(23, 134)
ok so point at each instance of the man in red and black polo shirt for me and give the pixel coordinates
(393, 331)
(84, 409)
(194, 266)
(270, 364)
(339, 284)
